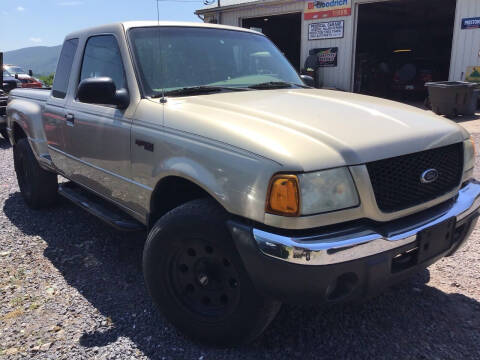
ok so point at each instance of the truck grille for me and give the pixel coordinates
(397, 181)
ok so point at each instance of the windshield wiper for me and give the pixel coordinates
(194, 90)
(275, 85)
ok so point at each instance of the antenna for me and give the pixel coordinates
(158, 14)
(163, 100)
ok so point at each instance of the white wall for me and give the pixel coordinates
(339, 76)
(466, 43)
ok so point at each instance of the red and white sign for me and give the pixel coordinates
(322, 9)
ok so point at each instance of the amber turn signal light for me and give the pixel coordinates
(474, 146)
(283, 196)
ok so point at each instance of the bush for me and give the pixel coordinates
(47, 80)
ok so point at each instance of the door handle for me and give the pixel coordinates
(70, 118)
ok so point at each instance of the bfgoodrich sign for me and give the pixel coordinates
(321, 9)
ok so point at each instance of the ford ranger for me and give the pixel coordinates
(255, 189)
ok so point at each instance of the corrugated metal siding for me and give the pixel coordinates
(466, 43)
(339, 76)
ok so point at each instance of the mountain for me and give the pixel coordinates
(42, 60)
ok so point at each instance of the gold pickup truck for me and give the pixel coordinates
(255, 188)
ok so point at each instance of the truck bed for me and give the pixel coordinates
(31, 94)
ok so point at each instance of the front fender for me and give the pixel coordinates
(239, 192)
(183, 167)
(236, 178)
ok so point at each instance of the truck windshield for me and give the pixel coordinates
(171, 58)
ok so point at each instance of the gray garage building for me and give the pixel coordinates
(356, 40)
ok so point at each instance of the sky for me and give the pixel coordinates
(25, 23)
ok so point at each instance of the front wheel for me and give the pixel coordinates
(197, 279)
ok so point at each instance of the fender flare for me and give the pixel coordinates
(28, 116)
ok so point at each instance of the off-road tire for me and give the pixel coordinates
(195, 236)
(37, 186)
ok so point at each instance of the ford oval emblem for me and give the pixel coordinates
(429, 176)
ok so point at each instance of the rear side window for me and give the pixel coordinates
(102, 59)
(64, 67)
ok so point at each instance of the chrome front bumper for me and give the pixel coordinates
(359, 242)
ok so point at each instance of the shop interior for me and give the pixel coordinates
(284, 30)
(401, 45)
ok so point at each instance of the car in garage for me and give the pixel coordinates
(410, 74)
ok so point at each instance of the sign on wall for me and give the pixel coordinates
(473, 74)
(326, 30)
(327, 57)
(321, 9)
(471, 23)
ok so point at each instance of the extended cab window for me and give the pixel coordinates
(102, 59)
(62, 76)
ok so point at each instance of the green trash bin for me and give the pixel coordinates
(453, 98)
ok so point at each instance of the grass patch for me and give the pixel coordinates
(13, 314)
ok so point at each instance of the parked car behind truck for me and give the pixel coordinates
(255, 189)
(26, 79)
(3, 109)
(9, 82)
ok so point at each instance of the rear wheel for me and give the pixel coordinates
(38, 186)
(197, 279)
(3, 132)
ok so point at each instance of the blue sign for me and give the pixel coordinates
(471, 23)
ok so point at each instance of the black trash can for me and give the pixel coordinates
(452, 98)
(471, 107)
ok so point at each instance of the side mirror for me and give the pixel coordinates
(308, 80)
(30, 73)
(16, 76)
(102, 90)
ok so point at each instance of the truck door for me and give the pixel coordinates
(98, 136)
(54, 116)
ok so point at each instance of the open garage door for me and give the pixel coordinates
(402, 44)
(284, 30)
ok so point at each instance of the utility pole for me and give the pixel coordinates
(219, 13)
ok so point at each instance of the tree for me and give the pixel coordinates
(47, 80)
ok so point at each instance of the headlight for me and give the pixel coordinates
(312, 193)
(469, 154)
(327, 190)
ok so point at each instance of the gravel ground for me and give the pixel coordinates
(72, 288)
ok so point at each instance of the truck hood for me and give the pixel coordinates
(310, 129)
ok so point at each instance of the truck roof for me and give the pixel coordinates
(133, 24)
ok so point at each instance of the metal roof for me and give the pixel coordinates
(232, 4)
